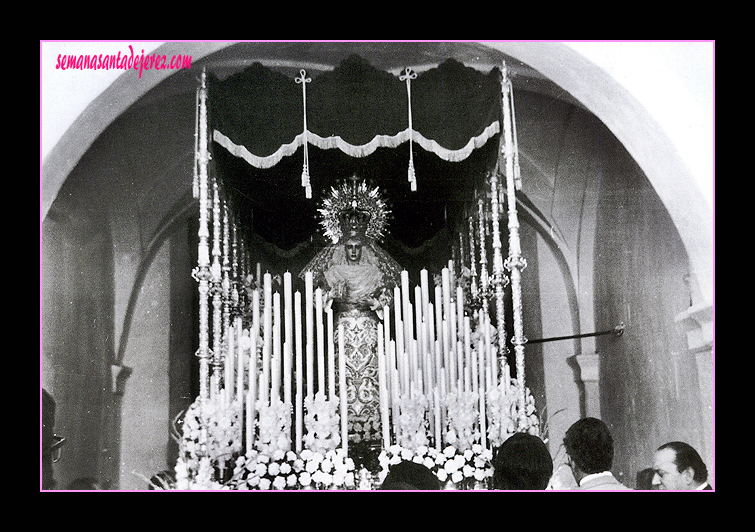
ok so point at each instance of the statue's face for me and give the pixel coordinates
(353, 251)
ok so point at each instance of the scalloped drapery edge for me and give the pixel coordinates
(379, 141)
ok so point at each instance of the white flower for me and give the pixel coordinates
(456, 477)
(273, 469)
(291, 481)
(305, 479)
(279, 483)
(285, 468)
(264, 484)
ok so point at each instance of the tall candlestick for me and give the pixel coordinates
(310, 345)
(299, 411)
(287, 367)
(277, 358)
(229, 365)
(241, 367)
(267, 326)
(320, 342)
(288, 328)
(342, 390)
(481, 389)
(467, 354)
(331, 357)
(382, 385)
(419, 355)
(387, 340)
(255, 340)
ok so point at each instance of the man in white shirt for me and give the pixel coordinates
(678, 466)
(589, 447)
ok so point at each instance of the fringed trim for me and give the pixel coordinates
(336, 142)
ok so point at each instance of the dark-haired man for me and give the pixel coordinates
(678, 466)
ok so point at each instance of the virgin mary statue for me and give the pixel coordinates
(357, 278)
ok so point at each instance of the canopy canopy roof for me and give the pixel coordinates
(357, 123)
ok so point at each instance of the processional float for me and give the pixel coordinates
(270, 414)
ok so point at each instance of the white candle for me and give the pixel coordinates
(254, 338)
(299, 417)
(240, 369)
(467, 354)
(277, 359)
(229, 365)
(320, 342)
(419, 355)
(310, 345)
(287, 373)
(386, 343)
(460, 332)
(382, 382)
(436, 411)
(331, 357)
(267, 326)
(481, 390)
(289, 332)
(342, 390)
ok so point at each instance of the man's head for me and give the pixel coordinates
(589, 444)
(678, 466)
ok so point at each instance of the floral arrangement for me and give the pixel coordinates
(322, 423)
(455, 469)
(503, 412)
(212, 435)
(412, 425)
(274, 425)
(291, 471)
(463, 417)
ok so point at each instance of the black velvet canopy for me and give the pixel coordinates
(357, 123)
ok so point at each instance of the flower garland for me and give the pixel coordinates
(322, 422)
(287, 470)
(454, 468)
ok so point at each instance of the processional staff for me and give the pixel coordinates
(202, 272)
(515, 263)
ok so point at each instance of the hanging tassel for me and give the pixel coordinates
(303, 79)
(408, 76)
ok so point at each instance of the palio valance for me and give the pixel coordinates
(259, 114)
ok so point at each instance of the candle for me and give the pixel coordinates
(460, 331)
(251, 398)
(467, 354)
(253, 337)
(481, 391)
(287, 373)
(342, 389)
(419, 354)
(436, 410)
(299, 416)
(320, 342)
(267, 337)
(229, 365)
(382, 384)
(240, 369)
(277, 361)
(288, 344)
(387, 341)
(308, 309)
(331, 358)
